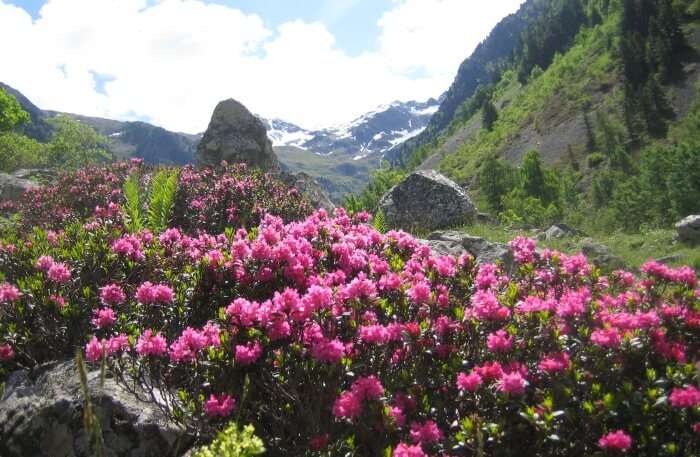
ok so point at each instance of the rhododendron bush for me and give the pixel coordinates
(334, 339)
(208, 199)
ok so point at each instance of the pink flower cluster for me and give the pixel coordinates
(112, 294)
(129, 246)
(616, 441)
(96, 349)
(222, 406)
(9, 293)
(349, 404)
(154, 294)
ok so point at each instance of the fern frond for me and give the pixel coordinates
(132, 209)
(162, 199)
(379, 223)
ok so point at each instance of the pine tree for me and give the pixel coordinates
(489, 115)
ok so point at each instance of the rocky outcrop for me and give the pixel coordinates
(41, 415)
(234, 135)
(688, 229)
(310, 188)
(427, 200)
(12, 186)
(456, 243)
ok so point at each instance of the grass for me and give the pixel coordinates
(634, 249)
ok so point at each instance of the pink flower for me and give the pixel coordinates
(112, 294)
(6, 352)
(148, 294)
(554, 363)
(419, 292)
(95, 350)
(368, 388)
(499, 341)
(486, 306)
(219, 406)
(404, 450)
(609, 338)
(374, 334)
(512, 383)
(615, 441)
(330, 351)
(150, 344)
(248, 354)
(347, 406)
(9, 293)
(59, 273)
(44, 263)
(523, 249)
(104, 318)
(470, 382)
(397, 416)
(428, 432)
(489, 371)
(685, 398)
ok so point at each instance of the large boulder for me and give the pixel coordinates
(689, 229)
(234, 135)
(13, 186)
(41, 415)
(427, 200)
(452, 242)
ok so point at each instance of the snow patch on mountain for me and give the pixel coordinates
(375, 132)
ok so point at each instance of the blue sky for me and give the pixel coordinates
(312, 62)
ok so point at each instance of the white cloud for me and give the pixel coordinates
(171, 61)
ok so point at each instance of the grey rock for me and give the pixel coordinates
(688, 229)
(451, 242)
(486, 218)
(670, 258)
(310, 188)
(559, 231)
(41, 415)
(601, 256)
(12, 187)
(427, 200)
(234, 135)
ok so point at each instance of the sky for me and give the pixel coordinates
(316, 63)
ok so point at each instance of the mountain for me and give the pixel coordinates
(375, 132)
(593, 117)
(143, 140)
(125, 139)
(342, 158)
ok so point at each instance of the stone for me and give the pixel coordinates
(427, 200)
(41, 415)
(235, 135)
(601, 256)
(559, 231)
(452, 242)
(12, 187)
(688, 229)
(310, 188)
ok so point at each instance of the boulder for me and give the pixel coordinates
(427, 200)
(310, 188)
(688, 229)
(235, 135)
(12, 186)
(451, 242)
(601, 256)
(41, 414)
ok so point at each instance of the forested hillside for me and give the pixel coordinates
(592, 119)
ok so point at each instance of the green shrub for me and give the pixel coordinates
(232, 442)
